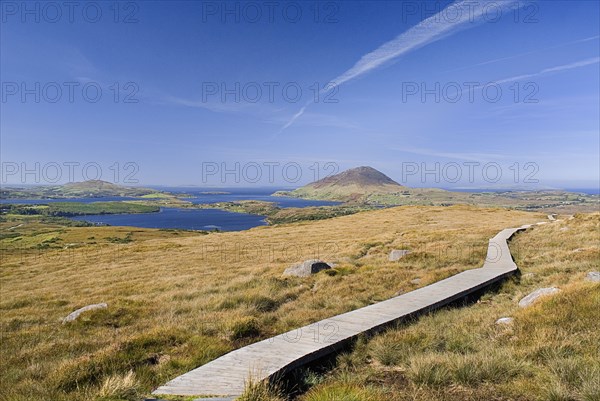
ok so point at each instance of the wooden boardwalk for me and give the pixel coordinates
(226, 376)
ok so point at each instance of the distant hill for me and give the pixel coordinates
(364, 177)
(85, 189)
(355, 184)
(103, 188)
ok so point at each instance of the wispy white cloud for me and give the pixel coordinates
(247, 108)
(432, 29)
(465, 156)
(294, 118)
(75, 62)
(219, 107)
(559, 68)
(84, 80)
(496, 60)
(582, 63)
(545, 71)
(316, 120)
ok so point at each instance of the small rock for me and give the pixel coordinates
(396, 254)
(593, 277)
(552, 217)
(505, 320)
(416, 281)
(528, 276)
(531, 298)
(398, 293)
(74, 315)
(306, 268)
(564, 229)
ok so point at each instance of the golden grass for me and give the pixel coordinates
(261, 391)
(122, 387)
(177, 301)
(344, 392)
(550, 352)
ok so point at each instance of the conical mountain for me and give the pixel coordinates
(352, 184)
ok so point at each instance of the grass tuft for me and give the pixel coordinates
(245, 328)
(119, 387)
(343, 392)
(261, 391)
(429, 370)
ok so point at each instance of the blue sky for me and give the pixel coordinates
(415, 91)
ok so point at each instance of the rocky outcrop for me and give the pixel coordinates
(593, 277)
(306, 268)
(397, 254)
(534, 296)
(74, 315)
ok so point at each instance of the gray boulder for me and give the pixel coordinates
(306, 268)
(74, 315)
(593, 277)
(534, 296)
(396, 254)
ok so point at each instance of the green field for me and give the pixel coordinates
(70, 209)
(86, 189)
(550, 201)
(278, 215)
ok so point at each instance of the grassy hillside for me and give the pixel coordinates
(350, 185)
(68, 209)
(543, 201)
(278, 215)
(367, 186)
(85, 189)
(178, 300)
